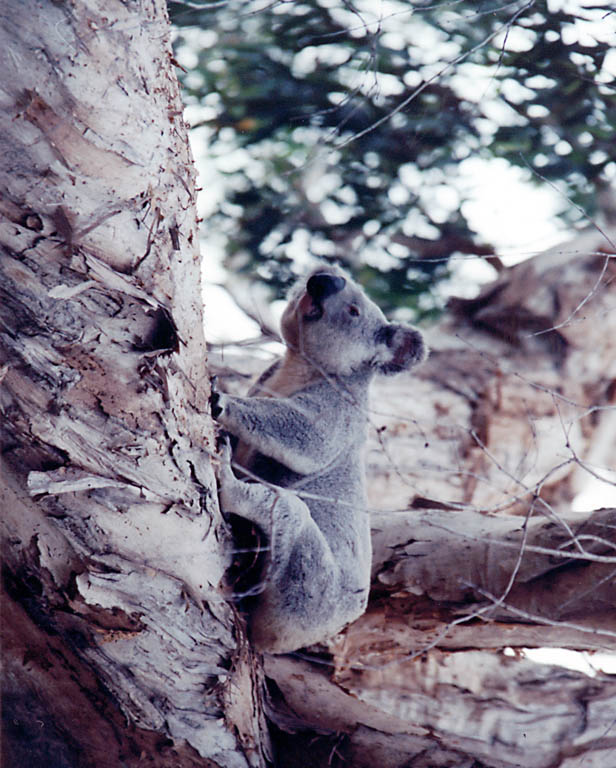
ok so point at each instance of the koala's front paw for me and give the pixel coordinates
(224, 449)
(227, 481)
(217, 405)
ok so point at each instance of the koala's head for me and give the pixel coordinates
(330, 321)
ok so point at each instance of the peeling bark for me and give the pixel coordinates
(121, 647)
(120, 644)
(452, 709)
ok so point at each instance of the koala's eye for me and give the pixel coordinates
(353, 310)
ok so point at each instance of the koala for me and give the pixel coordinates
(301, 430)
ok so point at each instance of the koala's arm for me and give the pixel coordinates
(304, 436)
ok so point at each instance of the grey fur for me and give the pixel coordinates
(307, 434)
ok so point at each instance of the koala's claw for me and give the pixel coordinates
(223, 439)
(215, 407)
(228, 484)
(224, 448)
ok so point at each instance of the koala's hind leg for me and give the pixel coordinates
(281, 514)
(253, 501)
(301, 586)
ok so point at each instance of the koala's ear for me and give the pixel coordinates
(400, 347)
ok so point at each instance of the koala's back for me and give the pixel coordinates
(285, 377)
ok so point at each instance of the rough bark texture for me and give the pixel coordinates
(119, 646)
(473, 464)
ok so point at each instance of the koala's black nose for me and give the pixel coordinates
(323, 284)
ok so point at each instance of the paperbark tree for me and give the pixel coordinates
(120, 646)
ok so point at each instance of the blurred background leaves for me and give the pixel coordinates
(341, 128)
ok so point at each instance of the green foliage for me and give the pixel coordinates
(342, 135)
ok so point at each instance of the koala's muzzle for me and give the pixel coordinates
(318, 288)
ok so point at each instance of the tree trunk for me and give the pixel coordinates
(120, 648)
